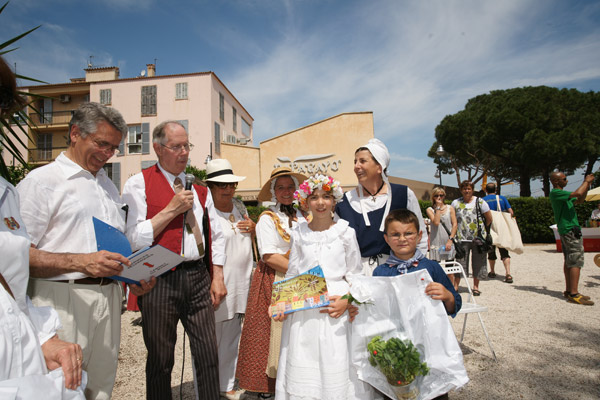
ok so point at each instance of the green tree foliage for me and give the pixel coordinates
(197, 172)
(522, 134)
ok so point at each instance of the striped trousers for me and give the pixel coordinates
(183, 294)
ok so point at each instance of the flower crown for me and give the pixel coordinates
(315, 182)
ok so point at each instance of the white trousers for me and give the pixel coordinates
(228, 340)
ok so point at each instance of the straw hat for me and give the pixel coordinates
(220, 170)
(265, 193)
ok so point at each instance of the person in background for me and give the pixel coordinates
(238, 230)
(259, 345)
(443, 220)
(158, 204)
(58, 202)
(26, 360)
(470, 222)
(366, 206)
(596, 213)
(563, 205)
(493, 199)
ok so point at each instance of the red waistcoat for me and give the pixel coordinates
(158, 195)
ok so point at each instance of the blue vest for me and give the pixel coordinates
(370, 239)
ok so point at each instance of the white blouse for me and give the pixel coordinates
(237, 268)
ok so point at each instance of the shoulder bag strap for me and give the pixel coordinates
(498, 203)
(284, 235)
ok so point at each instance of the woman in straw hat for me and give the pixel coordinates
(238, 229)
(259, 346)
(366, 207)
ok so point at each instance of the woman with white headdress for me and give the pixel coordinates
(366, 206)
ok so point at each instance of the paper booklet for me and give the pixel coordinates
(145, 263)
(301, 292)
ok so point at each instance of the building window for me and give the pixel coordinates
(47, 111)
(134, 139)
(148, 100)
(234, 119)
(106, 96)
(221, 107)
(245, 128)
(217, 140)
(181, 91)
(44, 146)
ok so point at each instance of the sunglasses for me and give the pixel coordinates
(438, 195)
(223, 185)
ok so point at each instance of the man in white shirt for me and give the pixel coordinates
(159, 207)
(58, 202)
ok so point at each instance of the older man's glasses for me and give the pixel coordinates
(180, 147)
(223, 185)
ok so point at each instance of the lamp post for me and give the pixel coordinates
(438, 174)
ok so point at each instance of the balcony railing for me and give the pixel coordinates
(52, 118)
(43, 155)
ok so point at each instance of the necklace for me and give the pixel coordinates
(374, 194)
(231, 219)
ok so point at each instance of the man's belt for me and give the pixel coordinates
(190, 264)
(89, 281)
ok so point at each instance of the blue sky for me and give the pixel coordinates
(292, 63)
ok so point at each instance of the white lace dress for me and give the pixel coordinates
(314, 361)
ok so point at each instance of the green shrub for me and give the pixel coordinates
(255, 211)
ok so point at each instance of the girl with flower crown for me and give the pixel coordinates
(314, 361)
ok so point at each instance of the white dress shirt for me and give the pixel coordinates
(139, 229)
(58, 202)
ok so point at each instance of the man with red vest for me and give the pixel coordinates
(162, 212)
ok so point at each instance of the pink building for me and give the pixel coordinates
(200, 101)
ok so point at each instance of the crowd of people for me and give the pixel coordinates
(221, 292)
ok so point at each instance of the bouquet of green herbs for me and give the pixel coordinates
(399, 360)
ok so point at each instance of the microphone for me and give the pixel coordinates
(189, 180)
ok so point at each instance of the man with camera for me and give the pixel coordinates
(563, 205)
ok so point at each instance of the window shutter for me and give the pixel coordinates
(121, 148)
(145, 138)
(217, 140)
(184, 122)
(116, 175)
(148, 164)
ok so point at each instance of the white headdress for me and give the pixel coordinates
(381, 154)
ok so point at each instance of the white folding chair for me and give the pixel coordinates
(469, 306)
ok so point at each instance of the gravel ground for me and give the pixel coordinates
(546, 348)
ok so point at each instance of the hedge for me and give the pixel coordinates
(534, 216)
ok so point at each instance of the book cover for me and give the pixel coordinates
(301, 292)
(145, 263)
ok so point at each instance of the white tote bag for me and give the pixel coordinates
(399, 307)
(505, 231)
